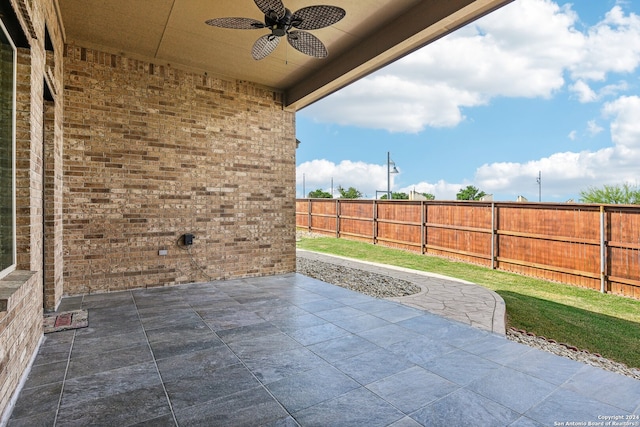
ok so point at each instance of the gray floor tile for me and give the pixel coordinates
(309, 388)
(198, 389)
(566, 405)
(546, 366)
(43, 419)
(293, 323)
(119, 409)
(49, 353)
(420, 350)
(109, 329)
(106, 361)
(388, 335)
(264, 345)
(114, 299)
(275, 367)
(321, 305)
(182, 339)
(505, 386)
(103, 384)
(375, 305)
(372, 366)
(411, 389)
(163, 421)
(342, 348)
(170, 318)
(361, 323)
(86, 346)
(315, 334)
(46, 374)
(398, 314)
(250, 407)
(357, 408)
(496, 349)
(465, 408)
(281, 312)
(340, 313)
(247, 332)
(196, 363)
(461, 367)
(426, 323)
(70, 304)
(598, 384)
(406, 422)
(58, 338)
(230, 318)
(38, 400)
(525, 422)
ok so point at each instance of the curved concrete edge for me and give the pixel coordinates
(436, 298)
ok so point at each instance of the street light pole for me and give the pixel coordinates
(539, 186)
(389, 172)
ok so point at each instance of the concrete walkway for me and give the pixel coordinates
(452, 298)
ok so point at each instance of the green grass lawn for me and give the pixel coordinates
(601, 323)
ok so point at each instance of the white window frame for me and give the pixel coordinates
(12, 267)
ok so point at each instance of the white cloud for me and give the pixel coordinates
(564, 173)
(520, 50)
(442, 190)
(573, 135)
(593, 128)
(365, 177)
(584, 92)
(612, 45)
(524, 49)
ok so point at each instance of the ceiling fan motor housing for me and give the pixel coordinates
(280, 26)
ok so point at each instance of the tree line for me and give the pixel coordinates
(607, 194)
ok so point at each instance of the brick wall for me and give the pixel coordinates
(21, 322)
(152, 152)
(20, 332)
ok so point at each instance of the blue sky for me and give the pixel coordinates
(537, 86)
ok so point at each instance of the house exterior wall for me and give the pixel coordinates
(23, 290)
(151, 153)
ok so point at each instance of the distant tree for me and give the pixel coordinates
(429, 196)
(396, 196)
(470, 193)
(350, 193)
(320, 194)
(612, 194)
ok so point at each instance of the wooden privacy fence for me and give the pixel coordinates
(591, 246)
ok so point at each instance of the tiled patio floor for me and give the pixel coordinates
(290, 350)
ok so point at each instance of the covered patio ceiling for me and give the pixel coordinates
(372, 34)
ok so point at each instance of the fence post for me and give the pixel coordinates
(493, 235)
(603, 264)
(375, 221)
(337, 218)
(423, 219)
(309, 218)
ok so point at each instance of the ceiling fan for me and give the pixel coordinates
(280, 21)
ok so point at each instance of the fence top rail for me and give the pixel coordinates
(529, 205)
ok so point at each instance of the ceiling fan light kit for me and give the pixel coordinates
(282, 22)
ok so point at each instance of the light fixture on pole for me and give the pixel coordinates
(539, 180)
(389, 172)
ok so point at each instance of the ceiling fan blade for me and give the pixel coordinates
(235, 23)
(314, 17)
(268, 6)
(307, 43)
(264, 46)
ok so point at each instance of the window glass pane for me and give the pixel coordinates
(7, 211)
